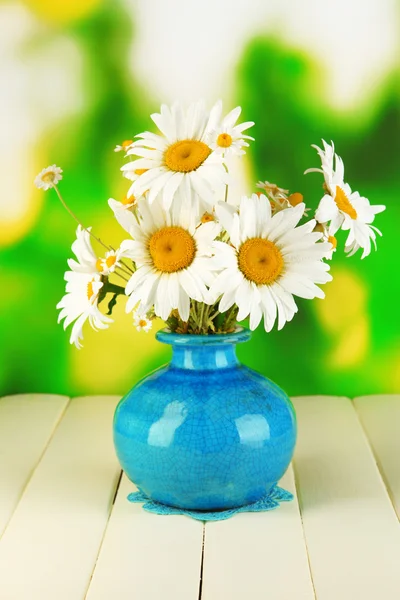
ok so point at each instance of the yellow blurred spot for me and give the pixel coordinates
(395, 383)
(352, 345)
(344, 315)
(111, 360)
(64, 11)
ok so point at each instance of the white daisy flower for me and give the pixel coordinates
(88, 261)
(124, 147)
(80, 304)
(111, 261)
(342, 208)
(180, 158)
(267, 261)
(227, 138)
(142, 322)
(172, 261)
(48, 177)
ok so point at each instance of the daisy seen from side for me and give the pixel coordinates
(341, 208)
(48, 177)
(80, 304)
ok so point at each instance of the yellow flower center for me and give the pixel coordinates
(48, 177)
(126, 143)
(128, 200)
(90, 291)
(207, 217)
(260, 261)
(140, 171)
(332, 240)
(295, 199)
(142, 323)
(344, 204)
(224, 140)
(172, 249)
(186, 155)
(111, 260)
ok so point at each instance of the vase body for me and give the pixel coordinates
(205, 432)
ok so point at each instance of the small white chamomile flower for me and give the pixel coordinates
(142, 322)
(48, 177)
(228, 138)
(124, 147)
(111, 261)
(88, 261)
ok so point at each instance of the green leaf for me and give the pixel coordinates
(112, 303)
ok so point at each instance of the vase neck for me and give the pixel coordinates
(204, 352)
(199, 358)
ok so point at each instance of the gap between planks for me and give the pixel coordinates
(69, 498)
(35, 465)
(299, 502)
(202, 561)
(105, 531)
(358, 406)
(350, 529)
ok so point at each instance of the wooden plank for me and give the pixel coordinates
(146, 556)
(258, 555)
(50, 546)
(26, 425)
(351, 529)
(380, 418)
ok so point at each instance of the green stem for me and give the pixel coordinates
(113, 288)
(73, 215)
(226, 187)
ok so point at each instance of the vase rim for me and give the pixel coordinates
(241, 334)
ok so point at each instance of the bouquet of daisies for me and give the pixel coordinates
(195, 254)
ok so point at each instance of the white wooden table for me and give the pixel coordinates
(67, 531)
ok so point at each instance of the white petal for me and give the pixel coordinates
(327, 210)
(184, 305)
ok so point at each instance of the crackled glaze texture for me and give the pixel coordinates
(205, 432)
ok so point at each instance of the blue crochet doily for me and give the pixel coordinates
(274, 498)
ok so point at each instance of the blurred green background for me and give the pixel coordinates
(81, 76)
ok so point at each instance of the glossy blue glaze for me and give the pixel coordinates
(205, 432)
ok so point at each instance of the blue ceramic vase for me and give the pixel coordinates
(205, 432)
